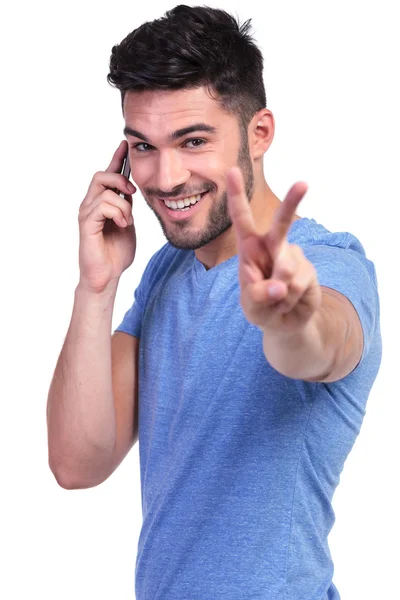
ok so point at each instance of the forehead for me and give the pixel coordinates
(164, 110)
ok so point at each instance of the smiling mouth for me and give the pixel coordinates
(190, 202)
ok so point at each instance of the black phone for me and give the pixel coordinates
(126, 171)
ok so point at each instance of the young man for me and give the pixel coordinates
(245, 362)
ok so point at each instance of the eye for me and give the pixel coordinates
(196, 140)
(136, 147)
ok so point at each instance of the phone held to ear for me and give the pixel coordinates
(126, 171)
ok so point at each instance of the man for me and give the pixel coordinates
(245, 362)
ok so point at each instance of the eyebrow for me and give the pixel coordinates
(176, 134)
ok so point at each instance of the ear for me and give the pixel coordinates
(261, 133)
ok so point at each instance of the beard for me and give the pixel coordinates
(181, 236)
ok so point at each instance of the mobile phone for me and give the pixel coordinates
(126, 171)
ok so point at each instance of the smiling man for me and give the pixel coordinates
(246, 359)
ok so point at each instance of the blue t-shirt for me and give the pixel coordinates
(238, 463)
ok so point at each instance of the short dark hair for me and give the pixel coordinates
(192, 47)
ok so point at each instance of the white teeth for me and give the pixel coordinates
(182, 203)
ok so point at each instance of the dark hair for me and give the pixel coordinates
(191, 47)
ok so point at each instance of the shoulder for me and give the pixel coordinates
(308, 232)
(331, 249)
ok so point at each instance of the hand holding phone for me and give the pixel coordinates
(107, 232)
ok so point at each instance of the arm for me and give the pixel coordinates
(328, 348)
(310, 332)
(91, 413)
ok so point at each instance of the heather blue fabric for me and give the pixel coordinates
(239, 464)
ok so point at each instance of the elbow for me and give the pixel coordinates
(69, 482)
(63, 480)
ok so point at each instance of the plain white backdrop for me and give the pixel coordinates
(331, 77)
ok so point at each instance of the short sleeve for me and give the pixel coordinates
(133, 318)
(349, 272)
(132, 321)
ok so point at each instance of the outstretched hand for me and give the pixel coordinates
(279, 286)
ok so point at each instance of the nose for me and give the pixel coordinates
(171, 172)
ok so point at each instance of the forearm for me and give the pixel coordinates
(80, 409)
(312, 353)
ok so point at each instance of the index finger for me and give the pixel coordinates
(118, 158)
(283, 217)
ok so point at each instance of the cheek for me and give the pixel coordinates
(212, 161)
(209, 166)
(140, 171)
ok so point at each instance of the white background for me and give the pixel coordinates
(331, 77)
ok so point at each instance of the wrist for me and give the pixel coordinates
(299, 354)
(108, 291)
(287, 333)
(101, 300)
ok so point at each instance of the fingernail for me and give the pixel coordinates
(274, 291)
(131, 187)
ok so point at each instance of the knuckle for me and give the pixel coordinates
(106, 206)
(110, 196)
(296, 287)
(285, 270)
(115, 199)
(98, 175)
(283, 306)
(82, 213)
(298, 253)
